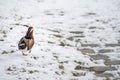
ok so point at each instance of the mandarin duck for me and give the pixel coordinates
(26, 43)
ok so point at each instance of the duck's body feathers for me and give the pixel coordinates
(26, 43)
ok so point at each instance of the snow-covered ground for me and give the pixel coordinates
(74, 39)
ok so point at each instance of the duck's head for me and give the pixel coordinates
(30, 29)
(29, 32)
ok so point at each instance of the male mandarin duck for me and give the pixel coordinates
(26, 43)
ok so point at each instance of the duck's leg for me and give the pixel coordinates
(24, 53)
(29, 51)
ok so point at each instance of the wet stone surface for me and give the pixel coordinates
(89, 45)
(112, 45)
(76, 32)
(105, 75)
(112, 62)
(99, 69)
(105, 50)
(86, 50)
(99, 56)
(96, 69)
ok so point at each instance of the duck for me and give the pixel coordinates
(26, 42)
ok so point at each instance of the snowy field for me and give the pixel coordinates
(74, 39)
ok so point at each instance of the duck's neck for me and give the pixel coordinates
(29, 34)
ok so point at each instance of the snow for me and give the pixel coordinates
(53, 20)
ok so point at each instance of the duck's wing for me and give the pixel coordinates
(31, 43)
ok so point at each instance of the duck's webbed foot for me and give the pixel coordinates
(24, 53)
(29, 51)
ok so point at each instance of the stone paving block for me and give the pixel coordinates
(87, 50)
(112, 45)
(99, 69)
(99, 56)
(105, 75)
(112, 62)
(105, 50)
(71, 38)
(89, 45)
(76, 32)
(92, 27)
